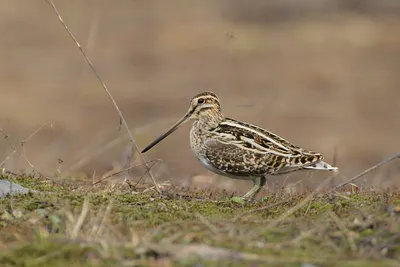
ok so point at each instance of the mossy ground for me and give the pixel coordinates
(71, 223)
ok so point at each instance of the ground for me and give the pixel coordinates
(322, 74)
(67, 222)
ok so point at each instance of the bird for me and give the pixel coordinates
(238, 149)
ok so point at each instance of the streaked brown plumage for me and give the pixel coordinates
(240, 150)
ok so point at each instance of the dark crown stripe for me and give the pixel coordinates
(206, 94)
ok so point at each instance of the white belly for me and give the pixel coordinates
(206, 163)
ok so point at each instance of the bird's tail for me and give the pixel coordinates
(322, 165)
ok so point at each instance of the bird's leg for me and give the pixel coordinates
(254, 190)
(263, 180)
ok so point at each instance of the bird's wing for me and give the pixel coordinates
(258, 148)
(229, 158)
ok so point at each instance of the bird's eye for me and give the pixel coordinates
(200, 100)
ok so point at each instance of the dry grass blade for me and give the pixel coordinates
(122, 119)
(344, 229)
(7, 158)
(105, 217)
(301, 237)
(94, 153)
(14, 149)
(45, 258)
(241, 215)
(396, 156)
(157, 187)
(207, 223)
(301, 204)
(33, 134)
(81, 219)
(23, 153)
(123, 170)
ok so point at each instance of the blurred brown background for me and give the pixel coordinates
(323, 74)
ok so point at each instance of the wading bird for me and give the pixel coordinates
(238, 149)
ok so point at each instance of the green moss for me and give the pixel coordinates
(54, 253)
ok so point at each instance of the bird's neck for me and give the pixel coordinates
(210, 120)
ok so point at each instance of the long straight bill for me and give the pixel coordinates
(171, 130)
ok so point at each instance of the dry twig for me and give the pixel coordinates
(301, 204)
(122, 119)
(23, 153)
(121, 171)
(396, 156)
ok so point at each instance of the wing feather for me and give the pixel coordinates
(255, 150)
(232, 159)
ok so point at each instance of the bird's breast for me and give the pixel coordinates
(197, 139)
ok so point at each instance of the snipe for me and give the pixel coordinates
(240, 150)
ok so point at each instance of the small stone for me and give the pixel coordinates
(7, 187)
(308, 265)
